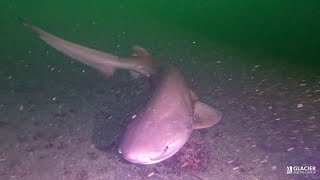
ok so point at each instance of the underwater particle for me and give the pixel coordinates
(264, 161)
(312, 117)
(273, 168)
(299, 105)
(290, 149)
(10, 77)
(21, 108)
(185, 164)
(255, 160)
(229, 162)
(219, 134)
(151, 174)
(53, 99)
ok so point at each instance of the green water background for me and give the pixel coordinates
(287, 30)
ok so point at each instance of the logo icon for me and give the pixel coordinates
(289, 169)
(301, 169)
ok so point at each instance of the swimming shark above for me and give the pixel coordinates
(164, 125)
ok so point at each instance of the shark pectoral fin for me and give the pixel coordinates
(140, 52)
(194, 96)
(205, 115)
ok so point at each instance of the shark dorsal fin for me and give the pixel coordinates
(194, 96)
(205, 115)
(140, 51)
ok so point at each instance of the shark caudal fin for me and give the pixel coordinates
(140, 64)
(205, 115)
(103, 62)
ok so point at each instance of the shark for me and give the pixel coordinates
(163, 126)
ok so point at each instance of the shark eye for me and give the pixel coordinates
(165, 148)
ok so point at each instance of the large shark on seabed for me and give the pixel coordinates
(164, 125)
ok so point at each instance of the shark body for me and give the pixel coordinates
(160, 129)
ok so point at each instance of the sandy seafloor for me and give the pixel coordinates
(62, 120)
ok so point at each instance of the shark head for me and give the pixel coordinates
(141, 150)
(143, 155)
(167, 121)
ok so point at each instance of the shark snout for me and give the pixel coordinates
(138, 158)
(141, 157)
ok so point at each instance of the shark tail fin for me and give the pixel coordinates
(33, 28)
(104, 62)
